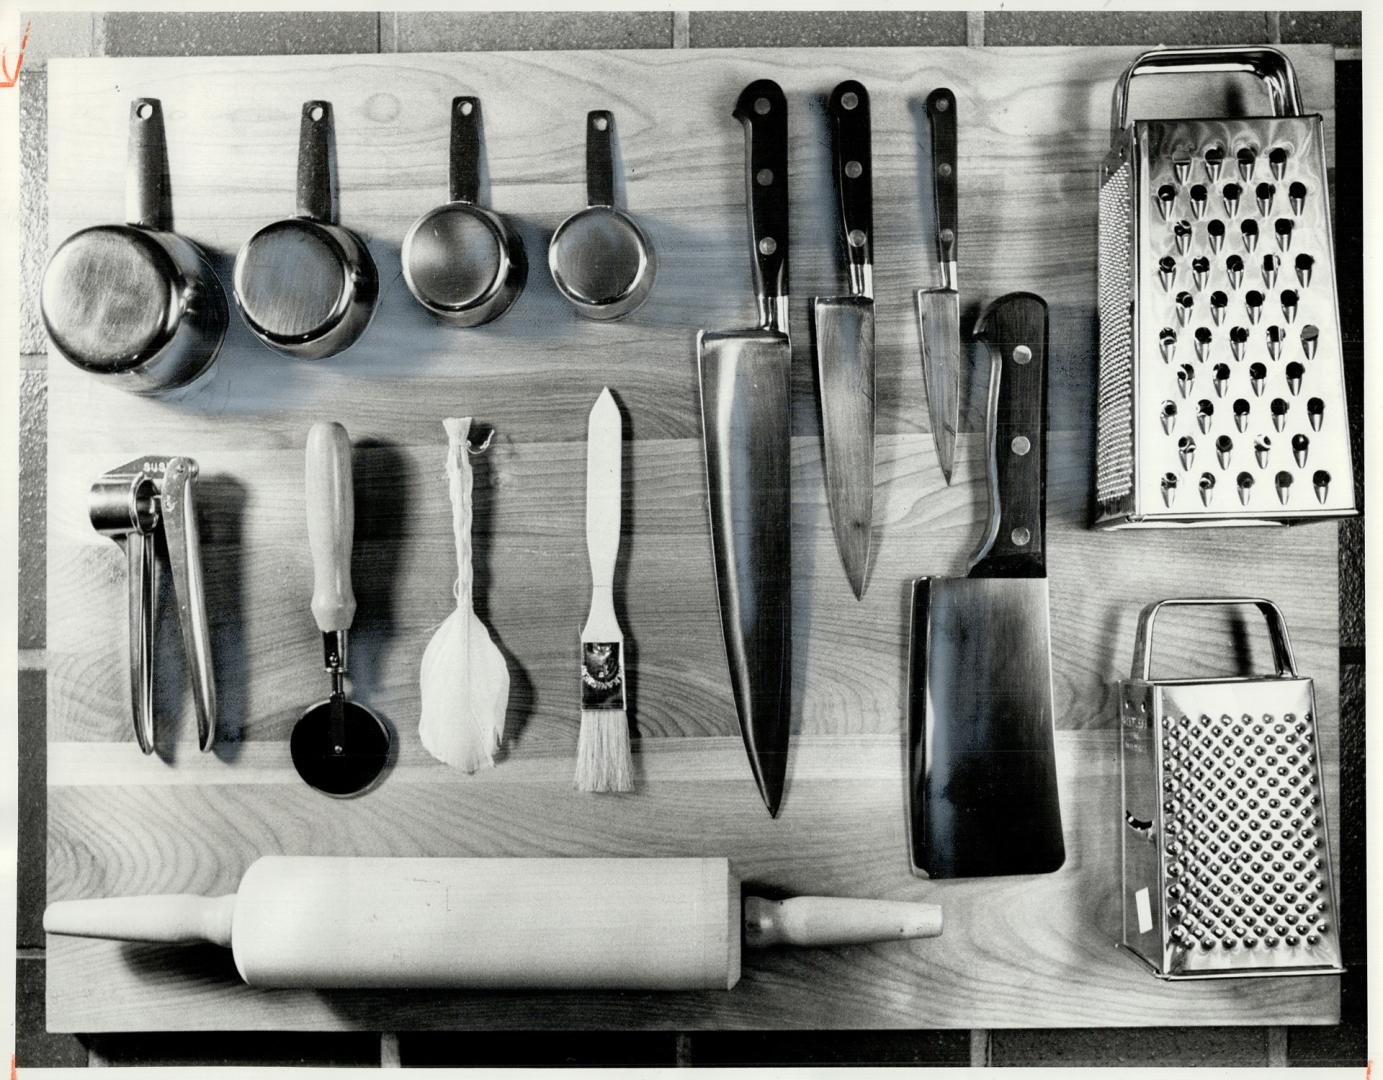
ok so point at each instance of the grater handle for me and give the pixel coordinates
(1277, 629)
(1271, 66)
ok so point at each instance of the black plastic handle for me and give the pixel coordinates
(1015, 329)
(941, 111)
(146, 194)
(600, 158)
(465, 149)
(316, 186)
(848, 108)
(763, 110)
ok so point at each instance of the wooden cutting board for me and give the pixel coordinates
(1016, 952)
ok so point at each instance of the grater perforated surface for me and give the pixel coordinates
(1227, 775)
(1244, 858)
(1237, 383)
(1114, 446)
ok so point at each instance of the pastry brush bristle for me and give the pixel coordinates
(603, 758)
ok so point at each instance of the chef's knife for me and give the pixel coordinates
(843, 331)
(983, 792)
(938, 309)
(746, 409)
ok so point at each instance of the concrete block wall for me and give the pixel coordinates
(77, 34)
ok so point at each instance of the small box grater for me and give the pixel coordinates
(1222, 394)
(1226, 857)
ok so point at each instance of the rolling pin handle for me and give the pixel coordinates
(828, 920)
(172, 920)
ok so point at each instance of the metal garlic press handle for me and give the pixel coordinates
(129, 505)
(179, 512)
(1277, 629)
(1272, 67)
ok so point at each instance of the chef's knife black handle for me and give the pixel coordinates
(941, 110)
(1015, 329)
(465, 149)
(848, 108)
(763, 110)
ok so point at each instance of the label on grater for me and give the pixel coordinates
(602, 675)
(1144, 905)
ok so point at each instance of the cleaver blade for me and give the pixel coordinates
(843, 329)
(983, 797)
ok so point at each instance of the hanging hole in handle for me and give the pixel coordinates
(465, 108)
(315, 113)
(851, 100)
(762, 106)
(144, 110)
(601, 123)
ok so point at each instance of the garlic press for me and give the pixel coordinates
(131, 505)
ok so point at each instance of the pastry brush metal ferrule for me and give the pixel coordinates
(603, 761)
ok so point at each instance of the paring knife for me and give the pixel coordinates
(982, 786)
(746, 413)
(843, 332)
(938, 309)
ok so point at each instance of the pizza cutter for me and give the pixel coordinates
(339, 746)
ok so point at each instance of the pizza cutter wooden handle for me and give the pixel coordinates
(632, 924)
(330, 525)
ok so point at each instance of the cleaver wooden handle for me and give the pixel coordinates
(653, 924)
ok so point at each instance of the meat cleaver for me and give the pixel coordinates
(843, 334)
(746, 412)
(982, 784)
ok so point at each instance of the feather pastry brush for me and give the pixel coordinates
(464, 679)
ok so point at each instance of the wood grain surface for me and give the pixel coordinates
(1016, 952)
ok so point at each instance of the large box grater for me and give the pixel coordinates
(1226, 857)
(1222, 394)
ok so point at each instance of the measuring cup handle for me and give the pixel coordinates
(465, 149)
(316, 187)
(600, 158)
(1271, 66)
(330, 525)
(1277, 629)
(147, 201)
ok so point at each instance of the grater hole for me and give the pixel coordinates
(1214, 159)
(1198, 198)
(1258, 375)
(1289, 299)
(1215, 229)
(1203, 335)
(1305, 264)
(1238, 334)
(1246, 158)
(1264, 193)
(1315, 407)
(1200, 266)
(1167, 193)
(1277, 158)
(1249, 229)
(1221, 379)
(1232, 193)
(1167, 264)
(1234, 264)
(1276, 335)
(1283, 228)
(1271, 265)
(1253, 299)
(1297, 193)
(1182, 231)
(1167, 339)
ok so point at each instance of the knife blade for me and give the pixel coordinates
(746, 414)
(938, 309)
(843, 334)
(982, 789)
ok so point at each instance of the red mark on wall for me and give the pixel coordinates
(6, 79)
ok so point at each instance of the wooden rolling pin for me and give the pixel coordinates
(366, 923)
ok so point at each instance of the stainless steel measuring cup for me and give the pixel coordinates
(601, 259)
(307, 286)
(136, 303)
(462, 261)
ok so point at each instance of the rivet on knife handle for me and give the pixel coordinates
(848, 109)
(1015, 329)
(763, 110)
